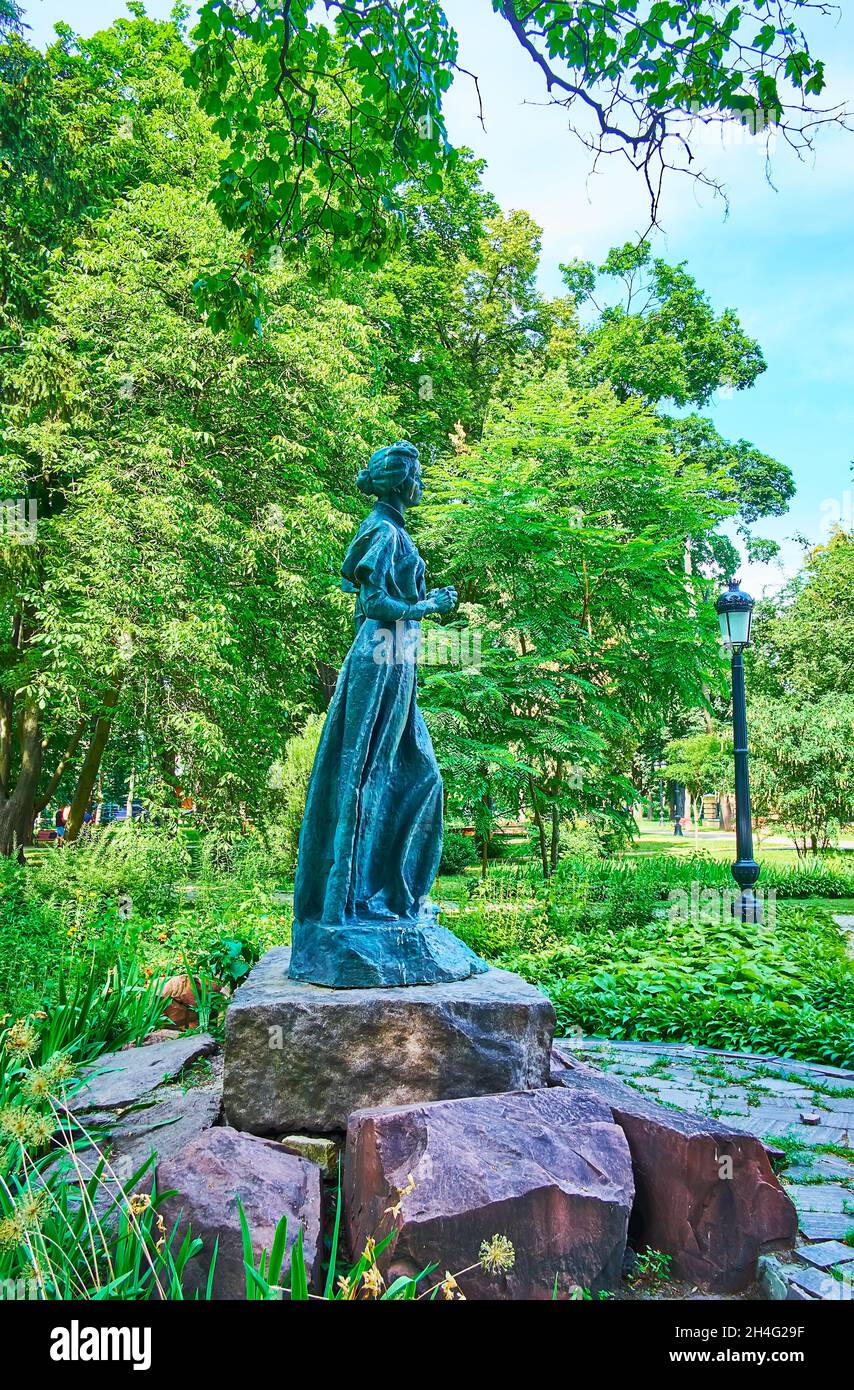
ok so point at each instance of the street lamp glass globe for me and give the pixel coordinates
(735, 611)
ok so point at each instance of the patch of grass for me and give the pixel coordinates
(836, 1151)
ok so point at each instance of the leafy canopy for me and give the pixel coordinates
(329, 110)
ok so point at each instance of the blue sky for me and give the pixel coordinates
(782, 259)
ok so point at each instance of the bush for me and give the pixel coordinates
(459, 852)
(144, 863)
(257, 857)
(291, 779)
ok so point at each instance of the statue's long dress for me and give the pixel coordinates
(371, 839)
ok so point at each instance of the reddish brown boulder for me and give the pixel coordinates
(705, 1191)
(547, 1169)
(183, 993)
(208, 1175)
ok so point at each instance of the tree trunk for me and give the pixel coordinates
(91, 766)
(17, 813)
(55, 780)
(6, 712)
(541, 829)
(555, 845)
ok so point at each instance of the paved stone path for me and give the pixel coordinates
(804, 1109)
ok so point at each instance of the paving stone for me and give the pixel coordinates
(838, 1112)
(796, 1295)
(822, 1197)
(834, 1086)
(827, 1254)
(822, 1134)
(793, 1090)
(818, 1283)
(820, 1225)
(829, 1166)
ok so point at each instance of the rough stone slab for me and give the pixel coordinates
(324, 1152)
(208, 1175)
(827, 1254)
(300, 1058)
(119, 1079)
(823, 1225)
(826, 1197)
(829, 1166)
(772, 1279)
(819, 1284)
(548, 1169)
(713, 1226)
(160, 1127)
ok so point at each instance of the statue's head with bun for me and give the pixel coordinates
(393, 475)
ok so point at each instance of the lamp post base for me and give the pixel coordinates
(746, 907)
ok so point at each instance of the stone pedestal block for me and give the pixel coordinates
(548, 1171)
(302, 1058)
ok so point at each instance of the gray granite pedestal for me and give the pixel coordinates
(301, 1057)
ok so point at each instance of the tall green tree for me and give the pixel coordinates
(564, 531)
(697, 764)
(456, 306)
(805, 635)
(183, 580)
(803, 766)
(663, 343)
(80, 125)
(179, 591)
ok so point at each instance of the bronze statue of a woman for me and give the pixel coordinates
(371, 839)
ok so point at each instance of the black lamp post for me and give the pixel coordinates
(735, 610)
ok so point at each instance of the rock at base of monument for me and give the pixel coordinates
(209, 1174)
(706, 1192)
(381, 955)
(301, 1059)
(547, 1170)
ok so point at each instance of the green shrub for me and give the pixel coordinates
(458, 852)
(143, 863)
(616, 966)
(291, 778)
(265, 856)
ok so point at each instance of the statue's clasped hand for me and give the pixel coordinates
(441, 600)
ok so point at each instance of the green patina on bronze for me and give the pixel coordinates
(372, 834)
